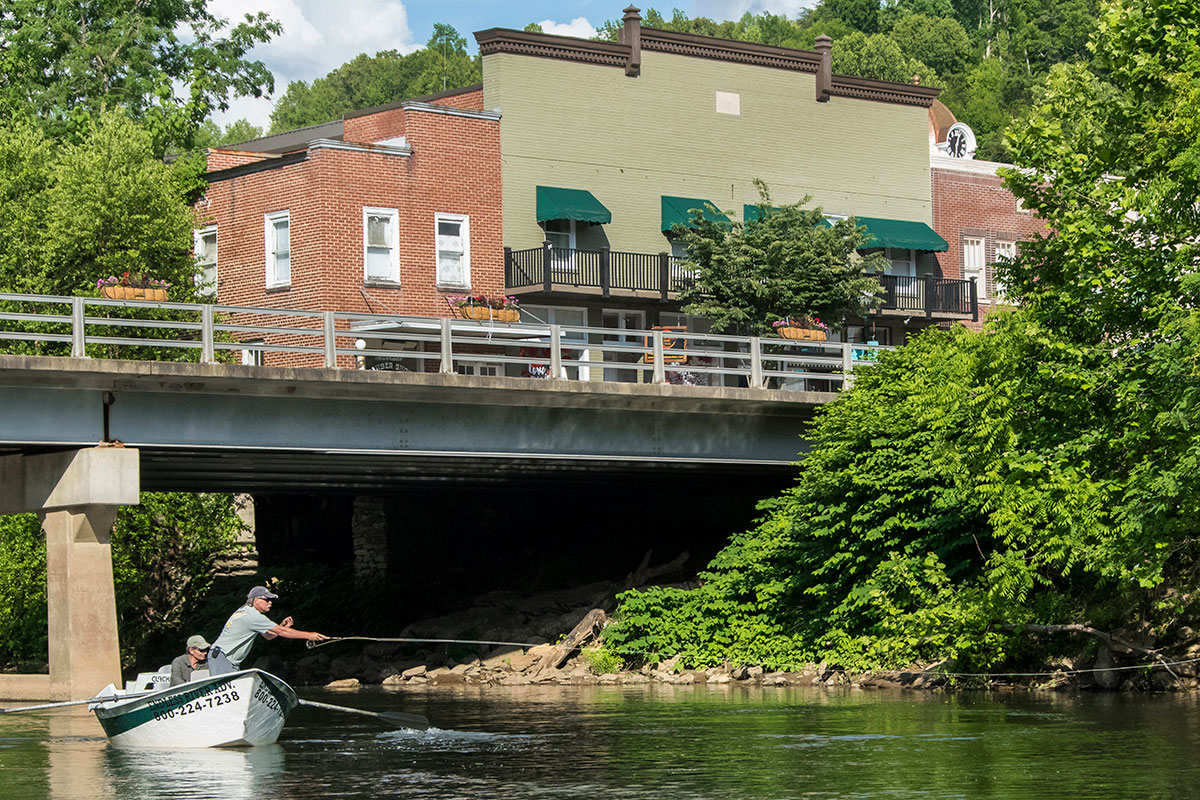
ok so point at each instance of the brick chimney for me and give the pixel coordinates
(631, 35)
(824, 48)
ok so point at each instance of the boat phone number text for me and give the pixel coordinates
(208, 699)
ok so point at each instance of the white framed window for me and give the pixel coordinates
(204, 246)
(381, 251)
(252, 355)
(477, 368)
(901, 261)
(561, 233)
(453, 234)
(1005, 251)
(973, 264)
(277, 235)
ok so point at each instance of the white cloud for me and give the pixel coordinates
(579, 27)
(318, 36)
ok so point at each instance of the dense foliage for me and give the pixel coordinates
(1043, 471)
(368, 81)
(72, 212)
(786, 261)
(167, 64)
(163, 554)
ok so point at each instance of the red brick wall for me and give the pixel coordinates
(219, 159)
(374, 127)
(454, 168)
(975, 205)
(472, 100)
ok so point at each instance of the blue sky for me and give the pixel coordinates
(319, 35)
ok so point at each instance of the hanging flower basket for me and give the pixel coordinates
(133, 293)
(475, 312)
(791, 332)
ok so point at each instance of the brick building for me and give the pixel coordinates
(390, 210)
(978, 217)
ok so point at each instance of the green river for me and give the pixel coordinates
(649, 742)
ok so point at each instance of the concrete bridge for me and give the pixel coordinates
(81, 436)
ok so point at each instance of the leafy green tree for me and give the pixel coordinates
(163, 555)
(878, 56)
(940, 43)
(169, 64)
(78, 212)
(787, 262)
(368, 81)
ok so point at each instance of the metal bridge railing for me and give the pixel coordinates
(89, 327)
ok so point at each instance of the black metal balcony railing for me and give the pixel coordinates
(604, 269)
(928, 295)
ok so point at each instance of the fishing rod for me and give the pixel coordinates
(332, 639)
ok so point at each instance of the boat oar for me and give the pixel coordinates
(396, 718)
(101, 699)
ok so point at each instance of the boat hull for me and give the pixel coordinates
(238, 709)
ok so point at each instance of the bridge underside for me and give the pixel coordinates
(254, 429)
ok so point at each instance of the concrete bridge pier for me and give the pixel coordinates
(76, 494)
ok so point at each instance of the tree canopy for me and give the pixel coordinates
(367, 81)
(786, 261)
(167, 64)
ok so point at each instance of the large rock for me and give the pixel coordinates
(1105, 676)
(413, 672)
(344, 683)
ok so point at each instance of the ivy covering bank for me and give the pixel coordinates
(1045, 471)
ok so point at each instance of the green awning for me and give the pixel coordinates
(751, 213)
(901, 233)
(577, 204)
(678, 211)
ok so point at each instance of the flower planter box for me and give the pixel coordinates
(485, 313)
(475, 312)
(811, 334)
(133, 293)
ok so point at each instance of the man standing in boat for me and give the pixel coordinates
(237, 637)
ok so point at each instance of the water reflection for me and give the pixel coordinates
(626, 742)
(233, 774)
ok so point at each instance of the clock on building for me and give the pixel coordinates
(960, 141)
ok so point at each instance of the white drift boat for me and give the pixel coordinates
(237, 709)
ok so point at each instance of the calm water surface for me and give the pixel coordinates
(660, 742)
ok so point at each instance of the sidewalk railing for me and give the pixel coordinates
(89, 327)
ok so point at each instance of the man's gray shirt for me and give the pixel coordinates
(181, 669)
(237, 637)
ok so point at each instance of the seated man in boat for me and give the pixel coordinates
(195, 658)
(237, 637)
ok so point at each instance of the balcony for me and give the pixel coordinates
(557, 269)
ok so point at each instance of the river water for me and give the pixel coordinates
(762, 743)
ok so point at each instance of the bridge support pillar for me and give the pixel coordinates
(82, 609)
(76, 494)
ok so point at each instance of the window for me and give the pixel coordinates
(900, 261)
(381, 255)
(477, 368)
(252, 355)
(277, 233)
(560, 233)
(205, 247)
(972, 264)
(453, 251)
(1005, 251)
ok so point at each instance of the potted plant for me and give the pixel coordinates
(501, 309)
(133, 286)
(802, 327)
